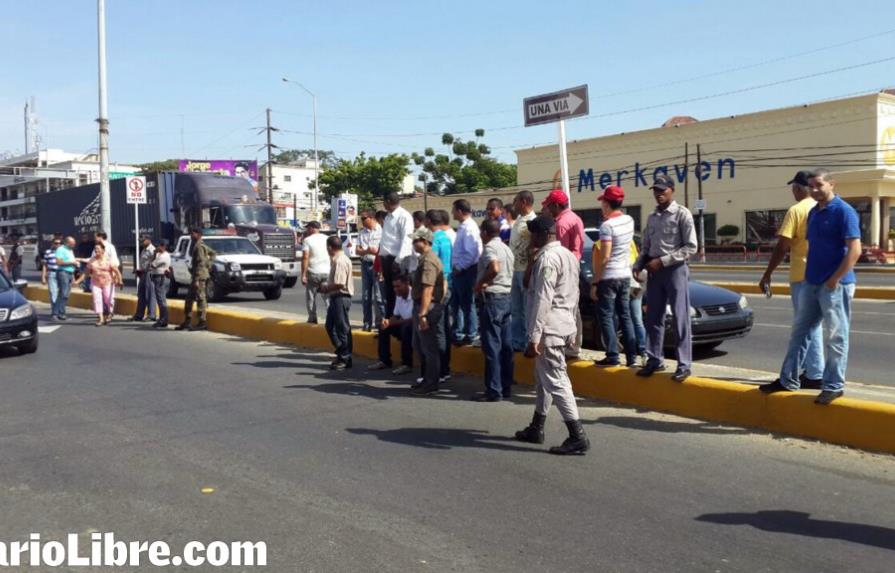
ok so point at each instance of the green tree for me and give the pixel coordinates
(370, 178)
(163, 165)
(468, 168)
(327, 158)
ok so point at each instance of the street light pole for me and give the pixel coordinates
(316, 195)
(105, 197)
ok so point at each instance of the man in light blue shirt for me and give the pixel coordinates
(66, 263)
(464, 268)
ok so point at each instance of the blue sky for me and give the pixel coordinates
(393, 75)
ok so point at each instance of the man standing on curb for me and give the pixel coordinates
(570, 234)
(394, 247)
(793, 237)
(668, 242)
(464, 260)
(428, 297)
(201, 257)
(554, 294)
(145, 288)
(315, 266)
(834, 236)
(443, 246)
(159, 271)
(367, 248)
(493, 285)
(339, 288)
(48, 270)
(520, 243)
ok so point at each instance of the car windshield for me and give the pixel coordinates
(233, 246)
(5, 284)
(257, 214)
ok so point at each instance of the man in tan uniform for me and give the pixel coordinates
(551, 327)
(201, 258)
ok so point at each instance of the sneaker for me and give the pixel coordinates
(607, 362)
(774, 387)
(476, 343)
(379, 366)
(810, 383)
(183, 326)
(828, 396)
(650, 369)
(199, 327)
(445, 378)
(160, 325)
(681, 374)
(402, 370)
(367, 328)
(424, 389)
(484, 397)
(339, 366)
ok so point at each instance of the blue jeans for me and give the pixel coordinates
(813, 365)
(53, 287)
(519, 304)
(63, 279)
(160, 285)
(636, 307)
(613, 307)
(496, 345)
(371, 295)
(819, 305)
(465, 319)
(338, 326)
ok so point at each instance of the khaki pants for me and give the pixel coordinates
(195, 295)
(552, 384)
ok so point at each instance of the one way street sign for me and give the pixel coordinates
(555, 106)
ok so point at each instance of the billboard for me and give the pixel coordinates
(232, 167)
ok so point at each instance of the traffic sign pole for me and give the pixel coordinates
(564, 160)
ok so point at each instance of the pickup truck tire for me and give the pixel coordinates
(290, 282)
(273, 293)
(213, 292)
(172, 288)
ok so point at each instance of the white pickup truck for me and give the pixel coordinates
(238, 267)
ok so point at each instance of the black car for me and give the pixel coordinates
(18, 318)
(716, 314)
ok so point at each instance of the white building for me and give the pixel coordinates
(293, 193)
(25, 176)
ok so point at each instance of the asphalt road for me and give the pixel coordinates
(118, 429)
(781, 276)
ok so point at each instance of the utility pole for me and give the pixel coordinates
(700, 239)
(269, 160)
(686, 175)
(105, 196)
(27, 128)
(564, 160)
(314, 196)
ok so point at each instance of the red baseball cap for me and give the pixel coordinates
(556, 197)
(612, 193)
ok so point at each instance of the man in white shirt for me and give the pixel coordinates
(368, 241)
(399, 326)
(315, 266)
(395, 245)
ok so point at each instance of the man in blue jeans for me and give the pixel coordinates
(494, 281)
(66, 262)
(464, 261)
(367, 248)
(834, 238)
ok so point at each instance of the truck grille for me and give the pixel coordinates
(281, 246)
(721, 309)
(4, 312)
(258, 278)
(257, 267)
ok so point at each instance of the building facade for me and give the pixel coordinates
(293, 194)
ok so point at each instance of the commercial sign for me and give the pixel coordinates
(344, 211)
(645, 174)
(232, 167)
(548, 108)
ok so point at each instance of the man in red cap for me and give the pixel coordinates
(570, 234)
(612, 278)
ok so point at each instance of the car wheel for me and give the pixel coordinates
(273, 293)
(213, 292)
(29, 347)
(290, 282)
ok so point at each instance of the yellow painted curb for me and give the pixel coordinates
(864, 292)
(858, 423)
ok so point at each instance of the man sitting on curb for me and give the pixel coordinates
(400, 326)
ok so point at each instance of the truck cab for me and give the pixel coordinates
(239, 266)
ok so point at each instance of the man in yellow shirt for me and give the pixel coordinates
(793, 237)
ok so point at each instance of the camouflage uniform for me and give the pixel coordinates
(201, 257)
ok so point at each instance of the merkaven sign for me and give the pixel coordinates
(725, 167)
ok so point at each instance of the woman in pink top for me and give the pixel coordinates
(103, 275)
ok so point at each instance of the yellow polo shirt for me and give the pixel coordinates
(795, 228)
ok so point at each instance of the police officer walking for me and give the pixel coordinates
(551, 327)
(201, 257)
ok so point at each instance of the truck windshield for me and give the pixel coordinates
(233, 246)
(250, 215)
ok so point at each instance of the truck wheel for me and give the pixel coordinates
(29, 347)
(273, 293)
(172, 289)
(213, 292)
(290, 282)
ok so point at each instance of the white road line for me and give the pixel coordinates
(870, 332)
(48, 329)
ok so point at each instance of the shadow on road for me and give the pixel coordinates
(444, 438)
(800, 523)
(668, 427)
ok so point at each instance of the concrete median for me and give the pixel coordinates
(856, 423)
(861, 292)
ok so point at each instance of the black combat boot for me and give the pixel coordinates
(185, 325)
(534, 433)
(201, 325)
(576, 444)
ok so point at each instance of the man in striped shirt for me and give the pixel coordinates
(48, 270)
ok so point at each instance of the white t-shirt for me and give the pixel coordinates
(112, 252)
(619, 230)
(318, 257)
(404, 306)
(452, 235)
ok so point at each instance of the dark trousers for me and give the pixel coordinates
(145, 298)
(160, 285)
(613, 307)
(427, 343)
(465, 320)
(497, 344)
(445, 340)
(670, 286)
(338, 326)
(404, 333)
(388, 291)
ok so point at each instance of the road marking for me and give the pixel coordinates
(48, 329)
(870, 332)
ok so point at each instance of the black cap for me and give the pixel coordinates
(196, 229)
(164, 243)
(801, 178)
(663, 182)
(542, 224)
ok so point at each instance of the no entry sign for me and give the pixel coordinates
(136, 190)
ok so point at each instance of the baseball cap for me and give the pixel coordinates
(422, 234)
(612, 193)
(663, 182)
(801, 178)
(556, 197)
(541, 224)
(164, 243)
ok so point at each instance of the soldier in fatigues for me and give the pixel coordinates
(201, 257)
(551, 328)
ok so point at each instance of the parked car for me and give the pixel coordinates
(18, 318)
(716, 314)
